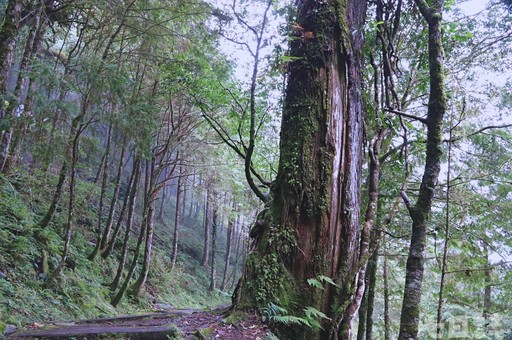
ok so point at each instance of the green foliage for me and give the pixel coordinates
(318, 282)
(82, 292)
(275, 314)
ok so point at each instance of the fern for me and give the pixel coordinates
(313, 313)
(315, 283)
(328, 280)
(319, 280)
(291, 319)
(277, 314)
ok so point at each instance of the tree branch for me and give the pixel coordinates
(403, 114)
(407, 201)
(490, 127)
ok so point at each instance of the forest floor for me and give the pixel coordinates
(165, 324)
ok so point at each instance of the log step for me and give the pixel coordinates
(101, 332)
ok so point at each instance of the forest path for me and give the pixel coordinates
(169, 324)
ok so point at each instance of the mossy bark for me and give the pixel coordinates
(311, 225)
(8, 32)
(420, 211)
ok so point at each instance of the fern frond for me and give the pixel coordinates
(313, 313)
(327, 279)
(290, 319)
(315, 283)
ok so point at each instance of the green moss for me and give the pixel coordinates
(204, 333)
(235, 317)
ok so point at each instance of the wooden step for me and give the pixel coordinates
(101, 332)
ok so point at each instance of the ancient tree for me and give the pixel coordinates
(310, 227)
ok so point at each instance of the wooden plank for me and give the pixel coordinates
(98, 332)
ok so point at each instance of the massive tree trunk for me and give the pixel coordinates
(310, 228)
(420, 211)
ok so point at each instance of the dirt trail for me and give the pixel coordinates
(169, 324)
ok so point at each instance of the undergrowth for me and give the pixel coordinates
(82, 290)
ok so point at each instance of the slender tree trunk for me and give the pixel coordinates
(76, 130)
(192, 196)
(177, 217)
(113, 202)
(365, 252)
(185, 196)
(163, 199)
(117, 298)
(207, 232)
(420, 212)
(229, 239)
(56, 196)
(486, 313)
(363, 310)
(372, 282)
(74, 135)
(11, 139)
(238, 237)
(130, 200)
(8, 33)
(197, 206)
(387, 320)
(142, 233)
(446, 241)
(152, 195)
(213, 271)
(105, 173)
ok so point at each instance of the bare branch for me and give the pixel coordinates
(490, 127)
(403, 114)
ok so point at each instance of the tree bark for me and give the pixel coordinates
(420, 211)
(229, 240)
(310, 228)
(372, 282)
(207, 230)
(177, 218)
(8, 33)
(213, 269)
(104, 172)
(151, 197)
(192, 196)
(142, 233)
(239, 241)
(387, 319)
(130, 200)
(444, 260)
(486, 313)
(104, 242)
(76, 130)
(56, 196)
(374, 172)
